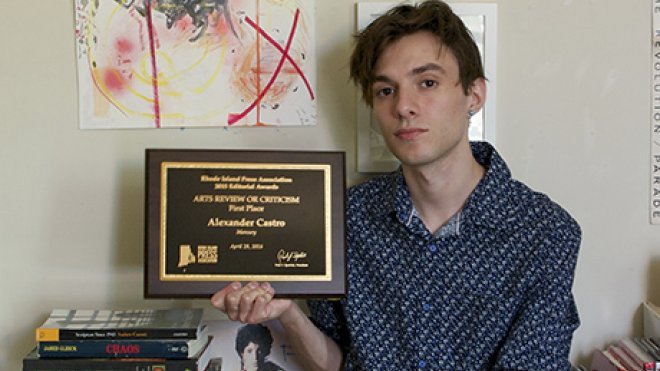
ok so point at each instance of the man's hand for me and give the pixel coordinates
(252, 303)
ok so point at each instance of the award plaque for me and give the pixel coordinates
(218, 216)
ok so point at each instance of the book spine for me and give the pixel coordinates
(613, 360)
(111, 348)
(114, 364)
(601, 362)
(643, 344)
(638, 354)
(54, 334)
(649, 348)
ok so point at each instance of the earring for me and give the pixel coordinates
(471, 113)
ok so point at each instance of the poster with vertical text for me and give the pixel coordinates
(655, 115)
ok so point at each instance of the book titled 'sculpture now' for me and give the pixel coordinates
(135, 324)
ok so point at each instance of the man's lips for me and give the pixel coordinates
(409, 133)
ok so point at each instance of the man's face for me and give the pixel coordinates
(250, 357)
(419, 102)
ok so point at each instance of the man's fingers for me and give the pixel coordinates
(261, 306)
(219, 298)
(238, 302)
(247, 302)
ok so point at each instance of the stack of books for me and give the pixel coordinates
(141, 339)
(630, 354)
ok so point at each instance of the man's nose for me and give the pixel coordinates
(406, 105)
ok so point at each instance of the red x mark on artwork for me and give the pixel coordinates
(154, 69)
(233, 118)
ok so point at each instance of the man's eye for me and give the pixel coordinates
(384, 92)
(429, 83)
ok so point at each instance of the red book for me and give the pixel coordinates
(623, 358)
(602, 361)
(638, 354)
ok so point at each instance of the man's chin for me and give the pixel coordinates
(410, 159)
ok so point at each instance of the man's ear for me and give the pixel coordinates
(477, 94)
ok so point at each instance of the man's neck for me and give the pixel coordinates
(439, 190)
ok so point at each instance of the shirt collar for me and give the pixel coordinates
(494, 202)
(494, 189)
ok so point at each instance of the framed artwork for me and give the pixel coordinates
(481, 20)
(195, 63)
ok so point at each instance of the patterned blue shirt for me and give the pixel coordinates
(492, 290)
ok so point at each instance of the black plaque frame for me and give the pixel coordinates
(181, 177)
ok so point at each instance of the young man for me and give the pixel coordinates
(452, 264)
(253, 345)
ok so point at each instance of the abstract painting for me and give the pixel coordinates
(195, 63)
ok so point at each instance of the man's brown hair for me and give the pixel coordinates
(434, 16)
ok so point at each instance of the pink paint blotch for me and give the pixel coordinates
(184, 24)
(123, 46)
(114, 81)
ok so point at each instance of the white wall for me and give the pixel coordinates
(573, 121)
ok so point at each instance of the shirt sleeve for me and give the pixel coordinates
(541, 334)
(327, 315)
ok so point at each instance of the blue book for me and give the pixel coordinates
(203, 361)
(166, 348)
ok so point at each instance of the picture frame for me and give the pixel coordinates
(213, 217)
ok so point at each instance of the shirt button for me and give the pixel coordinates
(433, 248)
(422, 364)
(426, 307)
